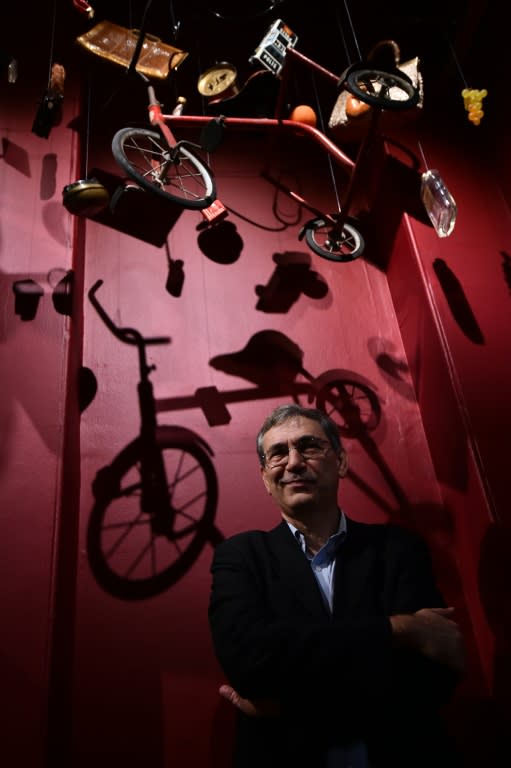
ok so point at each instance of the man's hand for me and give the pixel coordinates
(255, 708)
(432, 632)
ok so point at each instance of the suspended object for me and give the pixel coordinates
(85, 197)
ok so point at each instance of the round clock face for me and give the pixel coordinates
(217, 80)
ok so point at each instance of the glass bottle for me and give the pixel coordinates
(438, 202)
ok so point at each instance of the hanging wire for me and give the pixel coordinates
(218, 14)
(316, 94)
(140, 38)
(132, 66)
(458, 65)
(322, 128)
(343, 38)
(52, 40)
(462, 76)
(425, 162)
(87, 124)
(355, 40)
(176, 24)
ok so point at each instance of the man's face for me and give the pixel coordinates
(300, 482)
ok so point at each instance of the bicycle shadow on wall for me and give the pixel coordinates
(145, 533)
(273, 364)
(155, 502)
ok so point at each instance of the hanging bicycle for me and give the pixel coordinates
(170, 168)
(161, 164)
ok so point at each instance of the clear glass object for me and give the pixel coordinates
(438, 202)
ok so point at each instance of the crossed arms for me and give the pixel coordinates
(262, 636)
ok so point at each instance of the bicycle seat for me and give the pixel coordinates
(270, 358)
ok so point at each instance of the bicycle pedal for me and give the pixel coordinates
(213, 406)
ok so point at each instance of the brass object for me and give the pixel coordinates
(85, 197)
(219, 81)
(117, 44)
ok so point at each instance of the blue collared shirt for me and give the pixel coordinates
(323, 562)
(323, 567)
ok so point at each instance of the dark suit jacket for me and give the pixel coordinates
(337, 676)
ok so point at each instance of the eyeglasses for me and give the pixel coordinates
(308, 447)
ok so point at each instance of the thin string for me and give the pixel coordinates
(342, 36)
(316, 95)
(87, 124)
(458, 66)
(348, 14)
(176, 24)
(52, 40)
(131, 25)
(254, 15)
(425, 162)
(322, 129)
(209, 159)
(141, 37)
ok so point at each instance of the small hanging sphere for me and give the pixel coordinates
(304, 114)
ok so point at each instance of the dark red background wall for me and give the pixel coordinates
(418, 328)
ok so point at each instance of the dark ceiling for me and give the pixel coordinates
(458, 43)
(447, 35)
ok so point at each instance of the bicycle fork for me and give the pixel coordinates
(156, 498)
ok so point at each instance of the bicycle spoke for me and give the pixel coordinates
(356, 406)
(176, 174)
(384, 90)
(136, 553)
(331, 242)
(128, 528)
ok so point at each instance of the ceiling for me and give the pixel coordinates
(334, 34)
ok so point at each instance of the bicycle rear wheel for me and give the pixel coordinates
(182, 178)
(329, 243)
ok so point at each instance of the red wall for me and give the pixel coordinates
(91, 672)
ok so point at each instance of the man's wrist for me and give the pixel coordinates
(403, 630)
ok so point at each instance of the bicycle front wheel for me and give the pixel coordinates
(180, 176)
(352, 405)
(383, 90)
(333, 244)
(132, 553)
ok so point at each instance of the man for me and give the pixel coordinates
(333, 636)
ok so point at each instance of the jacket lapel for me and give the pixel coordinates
(354, 564)
(293, 572)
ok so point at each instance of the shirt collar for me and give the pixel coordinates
(335, 539)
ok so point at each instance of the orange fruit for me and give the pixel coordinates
(304, 114)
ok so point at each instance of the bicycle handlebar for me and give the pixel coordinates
(127, 335)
